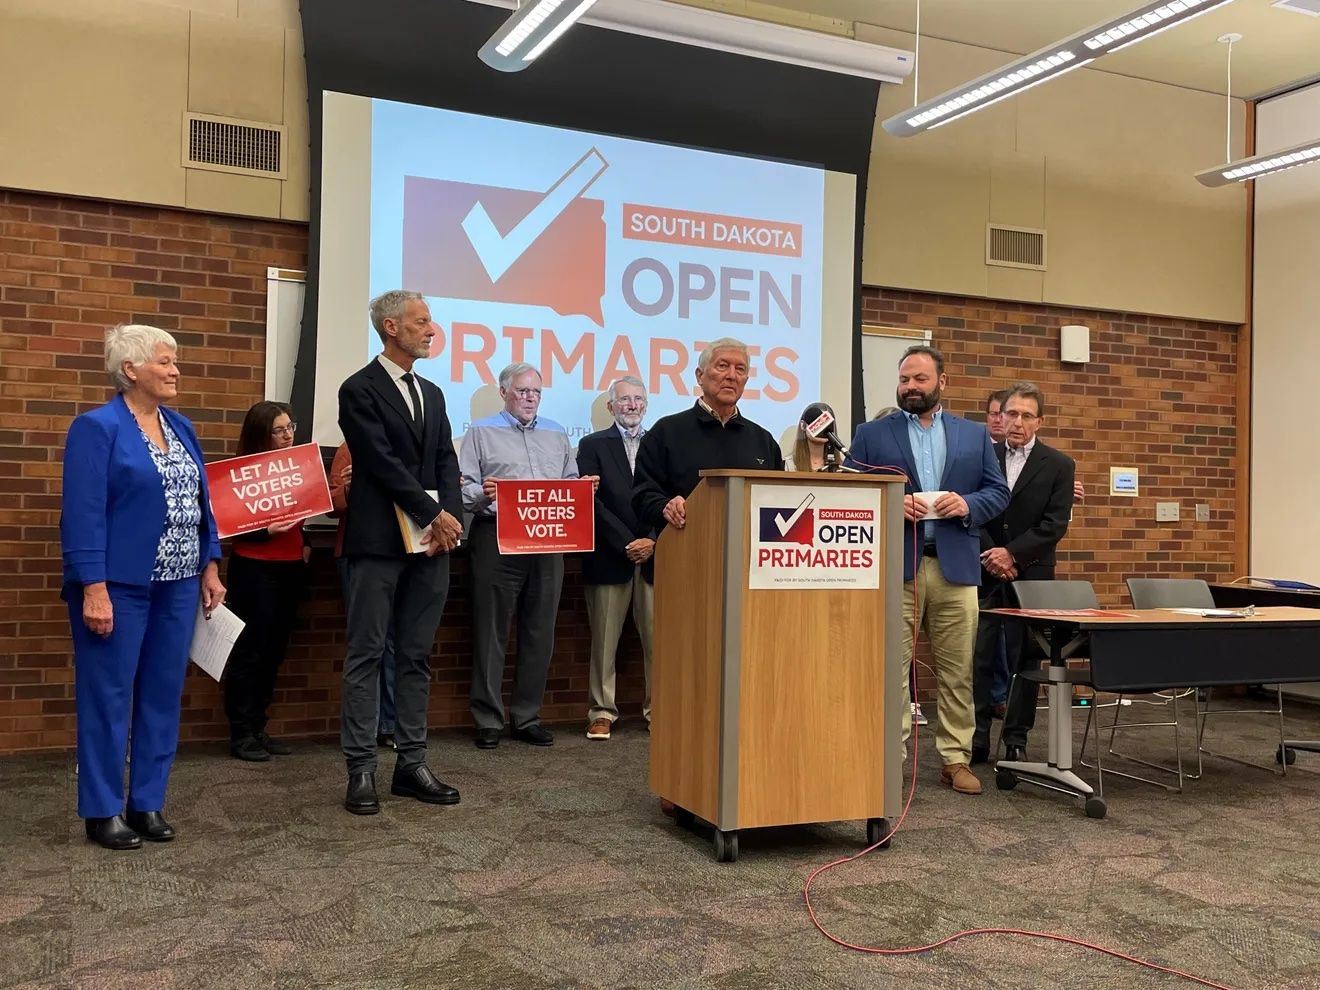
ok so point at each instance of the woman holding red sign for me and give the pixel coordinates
(267, 576)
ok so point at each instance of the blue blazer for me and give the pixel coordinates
(113, 506)
(970, 469)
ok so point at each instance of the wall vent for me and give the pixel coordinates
(1308, 7)
(1014, 247)
(224, 144)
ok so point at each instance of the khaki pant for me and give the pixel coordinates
(607, 607)
(948, 613)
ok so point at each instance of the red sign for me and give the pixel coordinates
(256, 490)
(545, 516)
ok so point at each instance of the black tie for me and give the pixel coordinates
(416, 399)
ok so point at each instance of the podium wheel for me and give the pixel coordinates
(726, 846)
(877, 829)
(683, 818)
(1285, 754)
(1096, 807)
(1005, 780)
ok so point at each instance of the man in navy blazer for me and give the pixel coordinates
(954, 487)
(398, 434)
(613, 573)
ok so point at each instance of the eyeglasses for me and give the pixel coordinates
(1026, 417)
(284, 431)
(527, 393)
(994, 415)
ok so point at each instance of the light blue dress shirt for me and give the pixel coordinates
(928, 450)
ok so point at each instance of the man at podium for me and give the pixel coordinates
(712, 434)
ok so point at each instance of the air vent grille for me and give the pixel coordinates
(1309, 7)
(223, 144)
(1014, 247)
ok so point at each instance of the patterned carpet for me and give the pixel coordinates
(558, 870)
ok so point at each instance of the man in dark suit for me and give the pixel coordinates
(398, 434)
(613, 573)
(1017, 545)
(951, 472)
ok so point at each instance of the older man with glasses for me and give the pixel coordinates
(515, 443)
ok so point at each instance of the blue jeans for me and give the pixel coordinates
(385, 723)
(999, 682)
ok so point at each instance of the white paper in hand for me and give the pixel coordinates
(929, 498)
(213, 639)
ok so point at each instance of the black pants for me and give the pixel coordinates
(265, 595)
(1021, 714)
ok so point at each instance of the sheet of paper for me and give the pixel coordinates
(213, 639)
(929, 498)
(1215, 613)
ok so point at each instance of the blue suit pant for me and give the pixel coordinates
(133, 676)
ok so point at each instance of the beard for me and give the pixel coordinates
(918, 402)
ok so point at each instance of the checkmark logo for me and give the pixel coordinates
(497, 252)
(787, 524)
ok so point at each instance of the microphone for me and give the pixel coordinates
(818, 422)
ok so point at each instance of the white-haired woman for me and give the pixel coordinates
(140, 550)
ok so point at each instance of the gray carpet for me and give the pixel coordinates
(558, 870)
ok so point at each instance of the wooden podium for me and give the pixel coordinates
(776, 706)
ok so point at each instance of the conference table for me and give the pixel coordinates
(1135, 651)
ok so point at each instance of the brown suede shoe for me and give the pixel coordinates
(961, 779)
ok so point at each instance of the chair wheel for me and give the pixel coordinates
(1285, 753)
(684, 818)
(726, 846)
(877, 829)
(1095, 807)
(1005, 780)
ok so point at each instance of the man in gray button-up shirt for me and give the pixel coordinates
(515, 443)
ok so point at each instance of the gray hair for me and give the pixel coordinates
(134, 343)
(625, 380)
(514, 370)
(886, 411)
(390, 306)
(1028, 390)
(723, 344)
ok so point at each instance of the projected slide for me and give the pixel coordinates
(590, 257)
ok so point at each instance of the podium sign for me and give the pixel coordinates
(823, 537)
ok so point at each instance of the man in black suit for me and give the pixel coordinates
(1018, 545)
(398, 434)
(613, 573)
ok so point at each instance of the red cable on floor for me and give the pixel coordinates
(912, 790)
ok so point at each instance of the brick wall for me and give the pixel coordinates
(1157, 395)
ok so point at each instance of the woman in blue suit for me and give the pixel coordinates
(140, 551)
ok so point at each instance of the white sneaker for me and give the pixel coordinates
(917, 717)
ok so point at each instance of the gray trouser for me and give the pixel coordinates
(411, 591)
(525, 585)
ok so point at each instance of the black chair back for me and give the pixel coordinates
(1169, 593)
(1055, 594)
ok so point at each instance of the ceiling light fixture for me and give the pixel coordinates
(1048, 63)
(1267, 164)
(704, 28)
(533, 28)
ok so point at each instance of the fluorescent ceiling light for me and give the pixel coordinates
(1268, 164)
(1048, 63)
(532, 29)
(724, 32)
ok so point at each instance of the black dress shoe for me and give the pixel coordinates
(272, 746)
(420, 783)
(980, 756)
(536, 734)
(151, 825)
(361, 796)
(488, 738)
(386, 741)
(113, 833)
(1015, 754)
(250, 749)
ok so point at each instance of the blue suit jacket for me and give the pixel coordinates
(113, 507)
(970, 469)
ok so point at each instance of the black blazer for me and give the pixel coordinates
(1036, 518)
(394, 463)
(617, 525)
